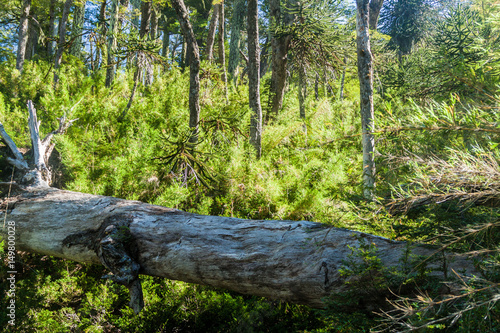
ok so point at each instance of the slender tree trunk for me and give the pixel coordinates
(140, 61)
(234, 44)
(209, 51)
(316, 86)
(113, 30)
(253, 77)
(280, 46)
(365, 72)
(194, 67)
(222, 49)
(32, 45)
(51, 30)
(154, 22)
(101, 49)
(23, 35)
(184, 51)
(264, 57)
(342, 81)
(77, 29)
(153, 32)
(375, 7)
(62, 38)
(302, 90)
(165, 42)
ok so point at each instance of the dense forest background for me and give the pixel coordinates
(278, 136)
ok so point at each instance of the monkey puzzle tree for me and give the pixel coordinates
(365, 73)
(405, 21)
(194, 67)
(254, 77)
(77, 28)
(23, 35)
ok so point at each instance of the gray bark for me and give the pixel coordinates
(77, 30)
(62, 38)
(194, 67)
(51, 32)
(302, 90)
(234, 44)
(23, 35)
(154, 22)
(375, 7)
(33, 35)
(100, 53)
(342, 80)
(279, 60)
(294, 261)
(209, 52)
(365, 73)
(222, 49)
(165, 42)
(254, 77)
(113, 30)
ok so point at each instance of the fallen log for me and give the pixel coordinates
(294, 261)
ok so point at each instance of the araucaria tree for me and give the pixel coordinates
(253, 77)
(365, 73)
(194, 67)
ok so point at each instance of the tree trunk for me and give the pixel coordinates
(154, 22)
(165, 42)
(62, 39)
(113, 30)
(298, 262)
(147, 24)
(253, 77)
(375, 7)
(222, 49)
(234, 44)
(342, 80)
(23, 35)
(209, 52)
(295, 261)
(33, 34)
(280, 46)
(194, 67)
(77, 30)
(365, 73)
(100, 52)
(51, 30)
(302, 90)
(264, 57)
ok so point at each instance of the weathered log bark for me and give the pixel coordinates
(365, 73)
(295, 261)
